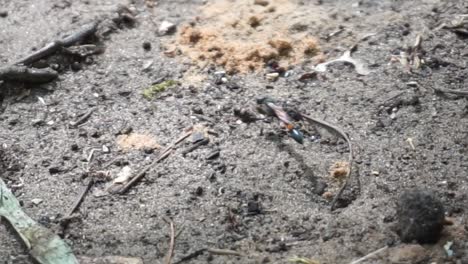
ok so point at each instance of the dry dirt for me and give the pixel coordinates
(243, 36)
(264, 195)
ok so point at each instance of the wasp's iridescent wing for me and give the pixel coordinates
(287, 120)
(280, 113)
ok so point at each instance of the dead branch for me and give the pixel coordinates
(51, 48)
(25, 74)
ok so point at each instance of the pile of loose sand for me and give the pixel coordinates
(243, 36)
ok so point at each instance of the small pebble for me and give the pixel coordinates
(76, 66)
(261, 2)
(198, 136)
(105, 149)
(147, 65)
(54, 170)
(198, 110)
(253, 207)
(38, 122)
(3, 13)
(328, 195)
(199, 191)
(272, 76)
(288, 73)
(74, 147)
(147, 45)
(220, 73)
(166, 28)
(36, 201)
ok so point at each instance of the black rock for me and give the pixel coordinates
(146, 45)
(74, 147)
(254, 207)
(420, 216)
(199, 191)
(76, 66)
(197, 110)
(148, 150)
(54, 169)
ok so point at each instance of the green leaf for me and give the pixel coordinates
(44, 246)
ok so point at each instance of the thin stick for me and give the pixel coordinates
(456, 92)
(195, 146)
(224, 252)
(181, 229)
(350, 157)
(164, 154)
(170, 251)
(368, 256)
(1, 196)
(191, 255)
(80, 198)
(83, 118)
(51, 48)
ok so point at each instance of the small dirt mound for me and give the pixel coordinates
(242, 36)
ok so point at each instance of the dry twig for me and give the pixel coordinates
(195, 146)
(191, 255)
(164, 154)
(65, 220)
(170, 251)
(451, 91)
(369, 255)
(350, 157)
(80, 198)
(19, 72)
(214, 251)
(224, 252)
(25, 74)
(83, 118)
(51, 48)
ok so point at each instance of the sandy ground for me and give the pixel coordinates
(263, 195)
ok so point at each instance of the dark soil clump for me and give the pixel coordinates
(420, 216)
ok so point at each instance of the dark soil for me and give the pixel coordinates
(420, 216)
(262, 195)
